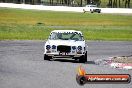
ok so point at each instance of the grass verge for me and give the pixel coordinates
(17, 24)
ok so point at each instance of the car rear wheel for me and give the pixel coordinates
(46, 57)
(83, 58)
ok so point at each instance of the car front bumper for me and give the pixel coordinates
(65, 55)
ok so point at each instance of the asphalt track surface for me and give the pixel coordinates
(22, 65)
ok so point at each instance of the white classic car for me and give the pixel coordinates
(66, 44)
(92, 9)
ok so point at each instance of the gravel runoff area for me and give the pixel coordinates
(120, 62)
(123, 59)
(22, 65)
(64, 8)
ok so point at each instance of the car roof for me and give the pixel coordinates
(66, 31)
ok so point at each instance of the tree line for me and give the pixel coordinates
(108, 3)
(117, 3)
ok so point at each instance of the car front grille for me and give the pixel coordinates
(63, 48)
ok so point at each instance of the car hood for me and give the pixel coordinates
(65, 42)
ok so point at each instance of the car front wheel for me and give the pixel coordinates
(46, 57)
(83, 58)
(99, 11)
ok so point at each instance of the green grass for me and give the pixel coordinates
(36, 25)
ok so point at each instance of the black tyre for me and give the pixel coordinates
(46, 57)
(86, 57)
(91, 11)
(84, 10)
(83, 58)
(99, 11)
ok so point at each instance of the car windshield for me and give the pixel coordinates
(66, 36)
(91, 6)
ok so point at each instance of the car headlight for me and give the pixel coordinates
(79, 48)
(53, 47)
(48, 47)
(73, 47)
